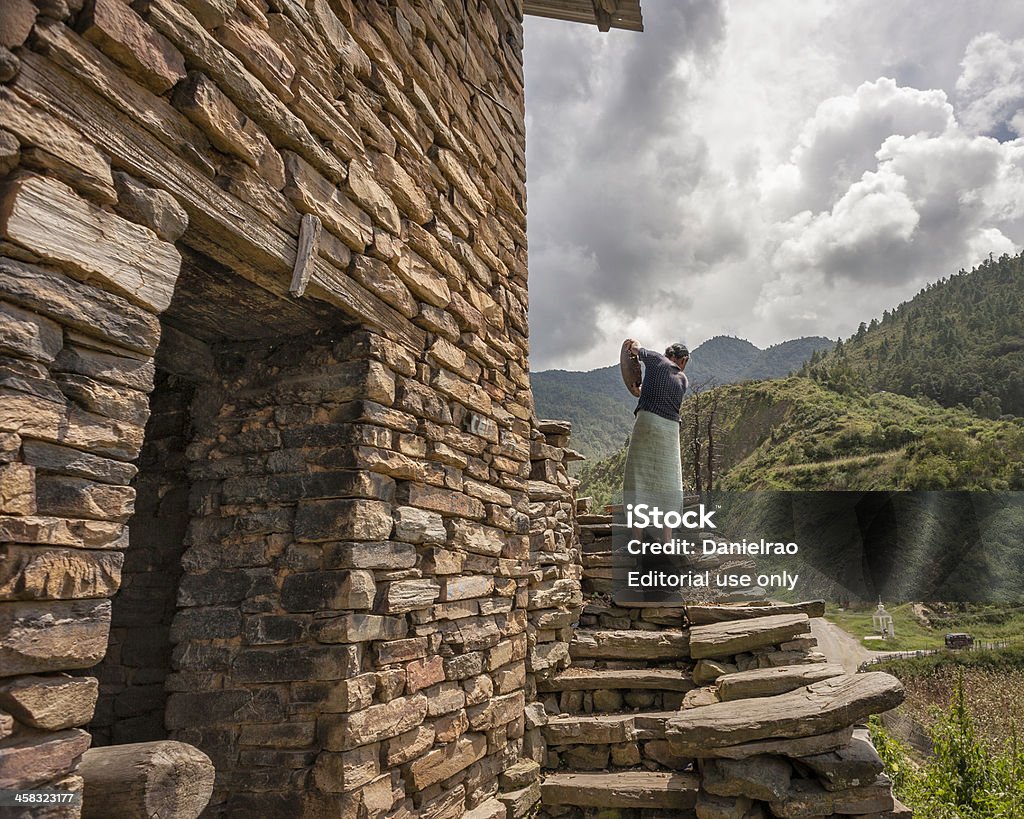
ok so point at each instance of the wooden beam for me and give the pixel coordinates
(168, 779)
(225, 228)
(620, 14)
(309, 243)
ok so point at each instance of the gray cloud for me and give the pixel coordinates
(991, 88)
(610, 173)
(764, 169)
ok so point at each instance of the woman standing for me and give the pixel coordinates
(653, 472)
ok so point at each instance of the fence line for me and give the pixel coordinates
(978, 645)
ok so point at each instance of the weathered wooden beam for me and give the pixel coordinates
(225, 228)
(168, 779)
(309, 242)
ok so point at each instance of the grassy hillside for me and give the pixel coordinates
(960, 341)
(796, 434)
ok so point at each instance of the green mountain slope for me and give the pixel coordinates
(596, 402)
(601, 409)
(958, 341)
(796, 434)
(780, 360)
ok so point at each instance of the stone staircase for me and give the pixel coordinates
(608, 713)
(597, 536)
(711, 711)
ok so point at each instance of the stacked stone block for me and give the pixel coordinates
(138, 658)
(76, 370)
(555, 599)
(776, 733)
(359, 615)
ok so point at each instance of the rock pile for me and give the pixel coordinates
(736, 718)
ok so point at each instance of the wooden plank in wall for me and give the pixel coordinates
(226, 229)
(309, 243)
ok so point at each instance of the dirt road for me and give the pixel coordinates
(840, 647)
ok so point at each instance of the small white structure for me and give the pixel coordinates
(881, 620)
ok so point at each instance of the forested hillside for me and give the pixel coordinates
(958, 341)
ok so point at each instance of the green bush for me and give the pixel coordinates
(961, 779)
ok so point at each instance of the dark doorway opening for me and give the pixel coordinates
(215, 318)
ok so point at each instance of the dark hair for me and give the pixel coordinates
(677, 350)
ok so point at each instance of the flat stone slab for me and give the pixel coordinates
(703, 615)
(819, 708)
(852, 766)
(807, 798)
(587, 679)
(626, 789)
(792, 748)
(590, 729)
(767, 682)
(737, 636)
(628, 644)
(899, 811)
(767, 778)
(652, 724)
(710, 806)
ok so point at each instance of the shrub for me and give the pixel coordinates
(962, 779)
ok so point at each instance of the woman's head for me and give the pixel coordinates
(677, 352)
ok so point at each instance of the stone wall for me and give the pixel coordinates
(358, 601)
(138, 658)
(555, 599)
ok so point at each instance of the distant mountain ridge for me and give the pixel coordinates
(601, 409)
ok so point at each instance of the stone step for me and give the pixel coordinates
(606, 729)
(589, 729)
(703, 615)
(652, 724)
(625, 789)
(612, 701)
(590, 679)
(737, 636)
(618, 644)
(600, 553)
(767, 682)
(645, 618)
(822, 708)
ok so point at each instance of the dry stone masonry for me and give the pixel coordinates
(270, 477)
(281, 534)
(710, 711)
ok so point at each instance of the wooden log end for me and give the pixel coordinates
(168, 779)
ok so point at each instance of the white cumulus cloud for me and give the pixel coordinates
(765, 169)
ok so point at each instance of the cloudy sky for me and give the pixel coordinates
(764, 168)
